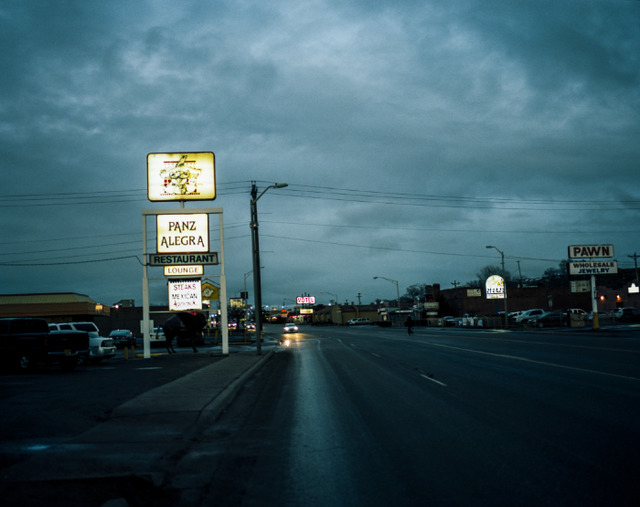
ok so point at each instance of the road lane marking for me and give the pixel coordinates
(433, 380)
(526, 360)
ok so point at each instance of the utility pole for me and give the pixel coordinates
(455, 283)
(255, 247)
(635, 260)
(519, 273)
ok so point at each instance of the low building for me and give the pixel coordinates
(55, 307)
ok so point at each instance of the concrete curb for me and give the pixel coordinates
(219, 403)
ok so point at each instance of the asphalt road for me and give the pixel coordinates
(50, 404)
(371, 416)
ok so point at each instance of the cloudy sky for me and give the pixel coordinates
(411, 133)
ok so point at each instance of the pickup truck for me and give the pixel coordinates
(24, 342)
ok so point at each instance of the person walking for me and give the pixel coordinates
(409, 324)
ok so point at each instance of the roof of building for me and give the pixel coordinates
(47, 298)
(49, 305)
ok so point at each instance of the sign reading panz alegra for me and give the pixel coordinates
(182, 233)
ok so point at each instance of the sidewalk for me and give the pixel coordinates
(144, 442)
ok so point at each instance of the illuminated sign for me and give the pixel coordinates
(181, 176)
(188, 270)
(210, 292)
(494, 287)
(182, 233)
(185, 295)
(183, 259)
(236, 303)
(590, 251)
(306, 300)
(578, 286)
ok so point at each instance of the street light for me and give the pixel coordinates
(504, 281)
(397, 287)
(255, 244)
(335, 296)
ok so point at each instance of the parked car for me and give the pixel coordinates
(524, 317)
(549, 319)
(628, 314)
(99, 347)
(25, 342)
(359, 321)
(449, 321)
(157, 336)
(290, 327)
(122, 338)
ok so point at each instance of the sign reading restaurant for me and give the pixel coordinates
(183, 259)
(182, 233)
(181, 176)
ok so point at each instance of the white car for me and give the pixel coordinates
(359, 321)
(157, 336)
(99, 347)
(290, 327)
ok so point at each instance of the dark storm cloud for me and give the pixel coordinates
(411, 134)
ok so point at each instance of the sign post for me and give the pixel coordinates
(592, 268)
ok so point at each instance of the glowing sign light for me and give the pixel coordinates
(181, 176)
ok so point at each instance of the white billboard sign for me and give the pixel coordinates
(182, 233)
(590, 251)
(188, 270)
(185, 295)
(181, 176)
(494, 287)
(593, 267)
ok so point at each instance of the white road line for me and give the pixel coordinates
(533, 361)
(433, 380)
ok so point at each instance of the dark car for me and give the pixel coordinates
(628, 314)
(123, 338)
(549, 319)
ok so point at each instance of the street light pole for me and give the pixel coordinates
(504, 281)
(255, 245)
(397, 287)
